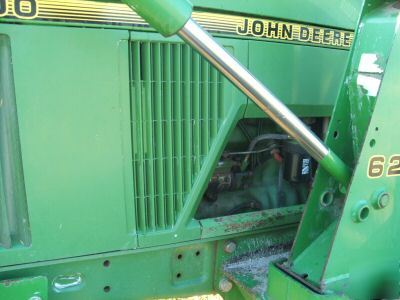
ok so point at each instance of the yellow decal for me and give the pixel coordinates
(21, 9)
(116, 14)
(271, 29)
(378, 164)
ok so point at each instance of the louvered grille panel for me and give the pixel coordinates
(176, 114)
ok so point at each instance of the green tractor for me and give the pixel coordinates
(160, 148)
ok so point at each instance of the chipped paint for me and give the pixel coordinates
(370, 74)
(369, 63)
(369, 83)
(251, 221)
(397, 23)
(66, 283)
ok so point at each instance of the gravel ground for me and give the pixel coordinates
(205, 297)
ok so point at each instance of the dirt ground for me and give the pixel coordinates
(205, 297)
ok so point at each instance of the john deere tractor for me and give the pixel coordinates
(164, 148)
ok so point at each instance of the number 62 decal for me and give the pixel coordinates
(378, 164)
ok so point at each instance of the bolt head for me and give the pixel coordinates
(225, 285)
(360, 211)
(383, 200)
(230, 247)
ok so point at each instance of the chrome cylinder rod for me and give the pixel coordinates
(205, 44)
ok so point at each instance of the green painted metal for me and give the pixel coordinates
(355, 224)
(345, 15)
(145, 273)
(337, 168)
(376, 234)
(330, 162)
(166, 16)
(229, 114)
(24, 288)
(116, 160)
(283, 287)
(123, 275)
(245, 262)
(72, 123)
(201, 116)
(252, 221)
(14, 219)
(184, 150)
(312, 95)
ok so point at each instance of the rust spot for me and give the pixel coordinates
(245, 225)
(9, 282)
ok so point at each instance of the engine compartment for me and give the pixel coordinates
(260, 168)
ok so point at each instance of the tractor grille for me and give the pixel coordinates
(176, 113)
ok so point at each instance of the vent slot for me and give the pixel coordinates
(176, 113)
(14, 224)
